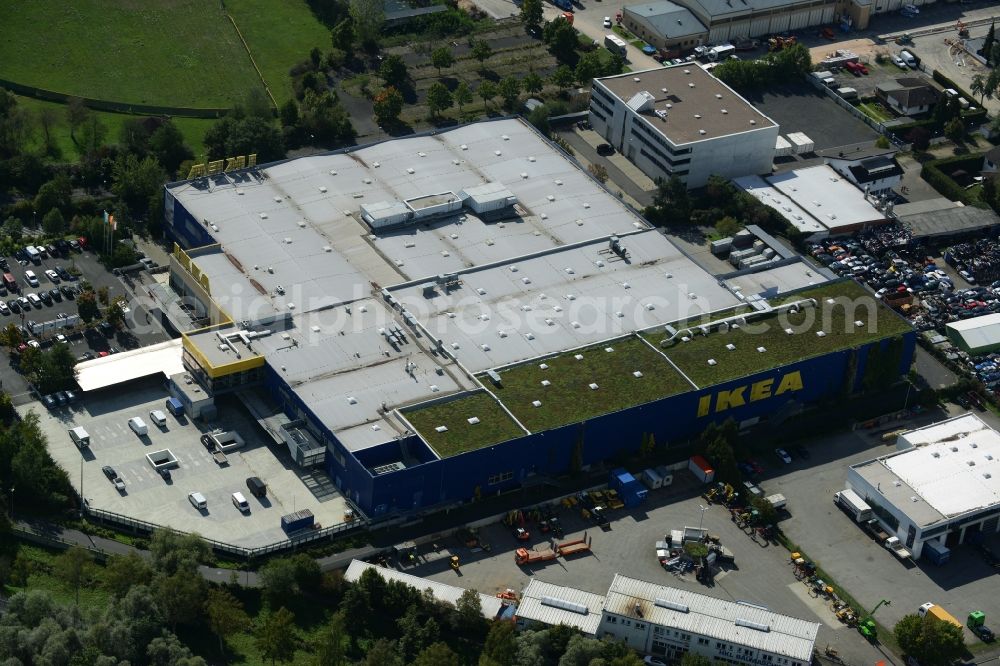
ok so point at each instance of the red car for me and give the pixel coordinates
(856, 68)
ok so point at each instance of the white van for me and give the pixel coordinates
(138, 426)
(240, 502)
(198, 500)
(79, 437)
(908, 58)
(158, 417)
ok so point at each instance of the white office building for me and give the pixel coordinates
(668, 622)
(682, 121)
(940, 489)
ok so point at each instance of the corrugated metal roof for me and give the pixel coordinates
(441, 591)
(978, 332)
(728, 621)
(536, 604)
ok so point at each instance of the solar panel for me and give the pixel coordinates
(556, 602)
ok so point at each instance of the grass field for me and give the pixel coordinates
(568, 398)
(171, 52)
(875, 111)
(280, 34)
(781, 348)
(194, 129)
(494, 426)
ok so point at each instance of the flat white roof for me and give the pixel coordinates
(541, 602)
(827, 196)
(777, 280)
(978, 332)
(125, 366)
(952, 469)
(786, 207)
(562, 300)
(733, 622)
(441, 591)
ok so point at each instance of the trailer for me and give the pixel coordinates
(934, 613)
(524, 556)
(701, 469)
(777, 500)
(652, 479)
(853, 505)
(574, 547)
(220, 458)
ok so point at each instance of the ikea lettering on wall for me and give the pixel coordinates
(744, 395)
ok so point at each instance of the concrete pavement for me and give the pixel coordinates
(584, 142)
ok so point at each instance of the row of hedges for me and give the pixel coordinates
(977, 116)
(942, 182)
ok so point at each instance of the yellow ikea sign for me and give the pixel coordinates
(744, 395)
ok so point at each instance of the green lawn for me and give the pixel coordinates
(569, 398)
(875, 111)
(280, 34)
(194, 129)
(171, 52)
(780, 347)
(494, 426)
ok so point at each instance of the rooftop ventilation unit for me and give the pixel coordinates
(593, 387)
(473, 421)
(637, 374)
(749, 624)
(672, 605)
(536, 403)
(441, 429)
(556, 602)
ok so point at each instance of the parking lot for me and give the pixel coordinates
(150, 498)
(92, 341)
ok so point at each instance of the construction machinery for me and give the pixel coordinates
(963, 30)
(905, 39)
(507, 595)
(454, 562)
(778, 42)
(867, 626)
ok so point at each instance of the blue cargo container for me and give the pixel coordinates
(293, 522)
(630, 491)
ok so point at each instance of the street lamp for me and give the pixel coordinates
(11, 507)
(703, 510)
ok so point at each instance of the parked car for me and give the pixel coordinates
(607, 21)
(783, 455)
(31, 278)
(605, 149)
(52, 276)
(898, 62)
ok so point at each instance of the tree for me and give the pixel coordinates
(387, 105)
(563, 77)
(76, 114)
(469, 613)
(932, 643)
(12, 228)
(383, 653)
(989, 41)
(180, 596)
(500, 648)
(329, 646)
(533, 83)
(509, 89)
(243, 136)
(588, 67)
(86, 305)
(581, 651)
(74, 567)
(882, 142)
(727, 226)
(55, 369)
(487, 91)
(344, 35)
(462, 95)
(324, 118)
(277, 578)
(225, 615)
(48, 119)
(599, 172)
(367, 17)
(920, 138)
(135, 181)
(289, 113)
(56, 193)
(482, 51)
(438, 98)
(166, 144)
(276, 637)
(122, 572)
(173, 551)
(531, 13)
(442, 58)
(978, 87)
(438, 654)
(671, 204)
(768, 515)
(393, 71)
(53, 223)
(91, 135)
(561, 38)
(539, 117)
(954, 129)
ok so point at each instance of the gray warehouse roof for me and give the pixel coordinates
(729, 621)
(667, 19)
(714, 9)
(555, 604)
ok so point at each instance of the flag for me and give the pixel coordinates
(105, 217)
(114, 225)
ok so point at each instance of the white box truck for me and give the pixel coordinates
(79, 437)
(853, 505)
(616, 45)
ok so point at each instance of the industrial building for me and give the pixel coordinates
(669, 622)
(443, 317)
(666, 25)
(817, 200)
(976, 335)
(682, 121)
(940, 489)
(729, 20)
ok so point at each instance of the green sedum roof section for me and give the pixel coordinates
(495, 425)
